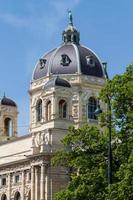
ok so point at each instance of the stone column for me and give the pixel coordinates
(42, 182)
(48, 183)
(9, 186)
(37, 183)
(33, 183)
(80, 107)
(56, 108)
(53, 108)
(23, 183)
(44, 110)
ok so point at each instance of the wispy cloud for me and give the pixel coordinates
(44, 20)
(14, 20)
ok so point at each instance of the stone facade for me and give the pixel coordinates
(57, 101)
(8, 121)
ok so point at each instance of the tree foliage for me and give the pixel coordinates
(85, 154)
(85, 149)
(120, 92)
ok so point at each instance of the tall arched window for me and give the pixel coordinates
(39, 110)
(4, 197)
(48, 111)
(62, 109)
(8, 127)
(17, 196)
(92, 105)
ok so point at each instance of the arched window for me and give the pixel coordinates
(75, 38)
(62, 109)
(48, 111)
(4, 197)
(69, 38)
(8, 127)
(92, 105)
(39, 110)
(17, 196)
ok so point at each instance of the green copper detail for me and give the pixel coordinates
(70, 17)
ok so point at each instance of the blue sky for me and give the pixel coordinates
(29, 28)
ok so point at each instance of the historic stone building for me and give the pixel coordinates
(64, 88)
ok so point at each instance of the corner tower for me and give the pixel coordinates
(64, 91)
(64, 88)
(8, 119)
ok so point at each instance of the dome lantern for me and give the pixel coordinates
(70, 34)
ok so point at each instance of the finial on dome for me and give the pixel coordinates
(70, 17)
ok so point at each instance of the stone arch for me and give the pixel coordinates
(4, 197)
(17, 196)
(8, 126)
(62, 109)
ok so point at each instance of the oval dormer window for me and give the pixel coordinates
(90, 61)
(42, 63)
(65, 60)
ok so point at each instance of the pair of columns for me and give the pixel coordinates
(9, 186)
(38, 177)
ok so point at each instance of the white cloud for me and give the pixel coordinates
(48, 20)
(14, 20)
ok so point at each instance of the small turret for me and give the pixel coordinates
(8, 118)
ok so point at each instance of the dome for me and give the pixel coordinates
(76, 59)
(69, 58)
(56, 82)
(8, 102)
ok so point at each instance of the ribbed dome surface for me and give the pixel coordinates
(69, 58)
(78, 62)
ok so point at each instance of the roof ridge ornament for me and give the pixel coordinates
(70, 17)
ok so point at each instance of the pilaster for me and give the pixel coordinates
(9, 186)
(23, 184)
(33, 183)
(42, 182)
(37, 183)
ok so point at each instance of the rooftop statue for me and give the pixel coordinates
(70, 17)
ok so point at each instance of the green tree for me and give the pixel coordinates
(85, 154)
(119, 91)
(85, 149)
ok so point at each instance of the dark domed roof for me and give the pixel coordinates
(69, 58)
(8, 102)
(56, 82)
(81, 60)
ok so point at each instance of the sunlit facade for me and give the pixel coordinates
(63, 92)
